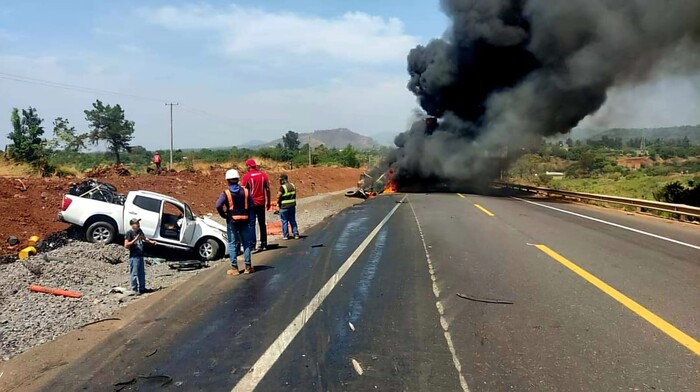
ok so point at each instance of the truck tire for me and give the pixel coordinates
(101, 232)
(208, 249)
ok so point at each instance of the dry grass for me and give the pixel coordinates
(67, 171)
(206, 167)
(11, 169)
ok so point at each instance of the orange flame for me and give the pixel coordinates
(390, 185)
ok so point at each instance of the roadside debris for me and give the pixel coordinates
(24, 187)
(357, 366)
(351, 326)
(162, 377)
(111, 260)
(187, 264)
(485, 300)
(12, 240)
(317, 246)
(100, 321)
(59, 292)
(151, 353)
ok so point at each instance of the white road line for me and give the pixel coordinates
(440, 309)
(611, 224)
(263, 365)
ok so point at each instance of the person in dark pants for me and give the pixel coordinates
(287, 201)
(156, 161)
(234, 205)
(134, 240)
(258, 184)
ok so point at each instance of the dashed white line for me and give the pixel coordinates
(441, 311)
(263, 365)
(611, 224)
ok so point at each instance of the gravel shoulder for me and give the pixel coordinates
(29, 319)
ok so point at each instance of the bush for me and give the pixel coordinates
(675, 192)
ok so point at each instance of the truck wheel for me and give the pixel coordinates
(101, 233)
(208, 250)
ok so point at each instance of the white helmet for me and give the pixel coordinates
(232, 174)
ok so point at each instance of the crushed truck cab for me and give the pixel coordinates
(164, 219)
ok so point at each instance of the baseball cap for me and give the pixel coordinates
(134, 220)
(251, 163)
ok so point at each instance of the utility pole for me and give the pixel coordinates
(171, 104)
(309, 143)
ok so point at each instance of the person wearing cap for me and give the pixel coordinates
(287, 202)
(134, 240)
(235, 205)
(258, 184)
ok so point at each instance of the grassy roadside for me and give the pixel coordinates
(636, 186)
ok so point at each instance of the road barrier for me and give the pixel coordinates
(682, 210)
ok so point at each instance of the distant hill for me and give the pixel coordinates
(385, 138)
(679, 132)
(330, 138)
(252, 143)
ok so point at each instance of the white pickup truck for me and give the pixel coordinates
(167, 220)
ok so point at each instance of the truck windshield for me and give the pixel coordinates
(188, 213)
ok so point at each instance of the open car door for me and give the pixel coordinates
(188, 227)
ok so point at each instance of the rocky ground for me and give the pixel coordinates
(28, 319)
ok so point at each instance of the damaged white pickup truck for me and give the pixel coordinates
(105, 214)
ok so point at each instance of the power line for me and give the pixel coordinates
(90, 90)
(72, 87)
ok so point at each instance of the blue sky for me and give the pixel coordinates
(240, 70)
(244, 71)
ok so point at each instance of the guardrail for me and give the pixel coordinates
(682, 210)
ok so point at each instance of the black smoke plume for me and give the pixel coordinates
(508, 72)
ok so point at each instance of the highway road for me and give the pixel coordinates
(581, 299)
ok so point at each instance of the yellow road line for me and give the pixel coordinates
(487, 212)
(687, 341)
(461, 195)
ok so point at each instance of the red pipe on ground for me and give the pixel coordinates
(47, 290)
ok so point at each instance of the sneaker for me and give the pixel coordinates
(287, 238)
(233, 271)
(296, 236)
(146, 291)
(249, 269)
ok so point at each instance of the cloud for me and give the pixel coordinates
(354, 36)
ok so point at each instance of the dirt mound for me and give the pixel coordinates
(30, 207)
(107, 171)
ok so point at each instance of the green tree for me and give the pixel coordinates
(348, 157)
(107, 123)
(65, 137)
(291, 141)
(27, 143)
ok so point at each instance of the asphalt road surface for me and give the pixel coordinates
(554, 297)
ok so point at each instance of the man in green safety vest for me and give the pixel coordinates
(287, 201)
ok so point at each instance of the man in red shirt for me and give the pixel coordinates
(259, 186)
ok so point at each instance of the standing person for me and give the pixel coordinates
(134, 240)
(287, 201)
(259, 185)
(156, 161)
(234, 205)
